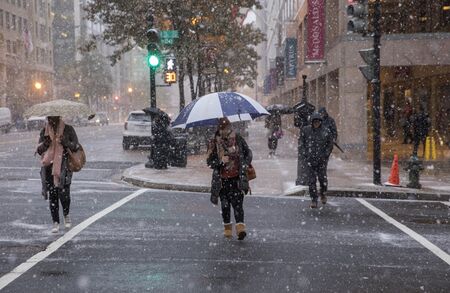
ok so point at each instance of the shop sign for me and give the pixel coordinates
(291, 58)
(315, 31)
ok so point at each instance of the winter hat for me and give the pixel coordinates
(316, 116)
(223, 123)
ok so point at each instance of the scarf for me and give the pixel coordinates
(54, 153)
(227, 146)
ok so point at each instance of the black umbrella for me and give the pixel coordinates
(280, 108)
(153, 111)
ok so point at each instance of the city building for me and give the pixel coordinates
(26, 54)
(415, 64)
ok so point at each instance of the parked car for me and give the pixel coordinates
(36, 122)
(5, 120)
(137, 130)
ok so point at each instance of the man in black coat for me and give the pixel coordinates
(329, 123)
(316, 144)
(421, 126)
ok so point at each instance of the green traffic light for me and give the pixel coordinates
(153, 61)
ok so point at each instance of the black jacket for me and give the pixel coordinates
(421, 125)
(329, 124)
(70, 140)
(245, 158)
(315, 144)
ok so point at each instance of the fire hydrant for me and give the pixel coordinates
(414, 167)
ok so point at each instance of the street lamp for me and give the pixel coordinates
(130, 90)
(38, 85)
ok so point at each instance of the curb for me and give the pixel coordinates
(401, 195)
(166, 186)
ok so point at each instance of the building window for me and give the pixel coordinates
(13, 22)
(8, 46)
(19, 23)
(419, 16)
(8, 21)
(1, 18)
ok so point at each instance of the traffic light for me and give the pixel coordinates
(170, 76)
(368, 55)
(358, 11)
(171, 64)
(154, 53)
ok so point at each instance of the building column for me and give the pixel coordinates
(352, 117)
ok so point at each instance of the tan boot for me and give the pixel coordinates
(240, 231)
(228, 230)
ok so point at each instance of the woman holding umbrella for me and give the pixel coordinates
(230, 156)
(55, 141)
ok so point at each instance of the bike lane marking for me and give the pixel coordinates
(419, 238)
(54, 246)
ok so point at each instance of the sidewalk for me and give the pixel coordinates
(276, 176)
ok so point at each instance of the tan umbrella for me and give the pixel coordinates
(61, 108)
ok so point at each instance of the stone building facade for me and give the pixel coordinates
(415, 60)
(26, 53)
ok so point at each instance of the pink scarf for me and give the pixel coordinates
(55, 152)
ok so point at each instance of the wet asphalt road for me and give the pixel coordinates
(172, 241)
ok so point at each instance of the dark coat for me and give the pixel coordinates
(421, 125)
(315, 144)
(330, 125)
(70, 140)
(245, 158)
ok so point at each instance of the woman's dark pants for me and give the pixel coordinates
(57, 195)
(231, 196)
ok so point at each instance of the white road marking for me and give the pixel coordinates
(419, 238)
(34, 260)
(447, 203)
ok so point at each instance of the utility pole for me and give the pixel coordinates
(358, 23)
(376, 83)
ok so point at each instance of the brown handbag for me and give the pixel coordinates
(251, 173)
(76, 159)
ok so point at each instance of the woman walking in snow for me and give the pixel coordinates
(54, 142)
(230, 157)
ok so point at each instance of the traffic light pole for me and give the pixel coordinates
(152, 87)
(376, 92)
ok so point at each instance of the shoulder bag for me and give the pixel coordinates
(76, 159)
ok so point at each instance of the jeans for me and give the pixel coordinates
(231, 196)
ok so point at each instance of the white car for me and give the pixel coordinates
(137, 130)
(5, 120)
(36, 122)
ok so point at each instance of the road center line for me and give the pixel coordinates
(419, 238)
(35, 259)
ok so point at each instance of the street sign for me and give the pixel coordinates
(168, 34)
(167, 41)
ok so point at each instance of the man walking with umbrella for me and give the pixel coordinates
(316, 144)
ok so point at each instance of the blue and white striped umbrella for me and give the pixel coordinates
(207, 109)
